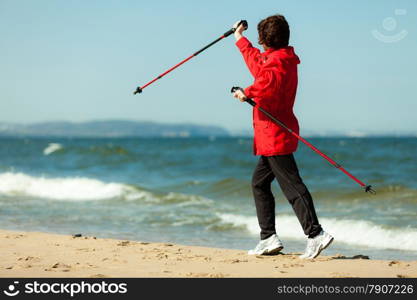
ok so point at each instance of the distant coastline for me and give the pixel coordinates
(110, 129)
(126, 128)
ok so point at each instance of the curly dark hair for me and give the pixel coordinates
(274, 32)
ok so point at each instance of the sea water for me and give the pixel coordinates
(196, 191)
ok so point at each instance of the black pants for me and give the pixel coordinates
(284, 169)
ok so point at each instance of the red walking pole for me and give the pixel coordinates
(226, 34)
(367, 188)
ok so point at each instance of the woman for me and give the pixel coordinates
(274, 89)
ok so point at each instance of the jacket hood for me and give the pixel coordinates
(287, 54)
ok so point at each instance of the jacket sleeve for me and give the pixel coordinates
(250, 54)
(267, 79)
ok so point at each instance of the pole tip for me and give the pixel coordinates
(138, 91)
(368, 189)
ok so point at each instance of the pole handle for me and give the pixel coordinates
(242, 22)
(248, 100)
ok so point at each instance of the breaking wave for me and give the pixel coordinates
(85, 189)
(354, 232)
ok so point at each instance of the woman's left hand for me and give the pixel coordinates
(239, 94)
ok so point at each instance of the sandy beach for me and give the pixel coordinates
(33, 254)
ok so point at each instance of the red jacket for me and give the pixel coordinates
(274, 89)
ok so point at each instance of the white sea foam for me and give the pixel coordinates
(84, 189)
(52, 147)
(354, 232)
(72, 189)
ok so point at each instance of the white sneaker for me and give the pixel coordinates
(271, 245)
(317, 244)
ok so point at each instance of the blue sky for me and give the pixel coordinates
(81, 60)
